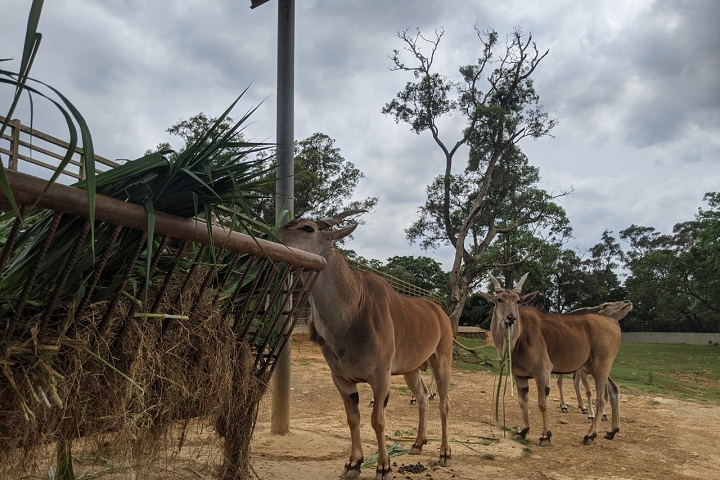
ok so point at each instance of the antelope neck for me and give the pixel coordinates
(335, 294)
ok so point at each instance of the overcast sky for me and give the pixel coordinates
(635, 86)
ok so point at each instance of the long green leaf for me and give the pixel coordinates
(30, 47)
(88, 158)
(72, 131)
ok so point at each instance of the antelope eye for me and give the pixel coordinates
(308, 228)
(500, 300)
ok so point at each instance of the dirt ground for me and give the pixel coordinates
(659, 437)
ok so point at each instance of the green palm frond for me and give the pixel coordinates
(70, 113)
(214, 180)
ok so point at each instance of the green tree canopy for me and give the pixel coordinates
(674, 280)
(192, 130)
(424, 272)
(324, 179)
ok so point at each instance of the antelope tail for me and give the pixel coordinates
(471, 350)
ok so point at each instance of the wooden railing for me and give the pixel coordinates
(39, 154)
(400, 286)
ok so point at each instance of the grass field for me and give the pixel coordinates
(680, 371)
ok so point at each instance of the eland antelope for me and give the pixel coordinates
(543, 343)
(368, 332)
(617, 310)
(579, 376)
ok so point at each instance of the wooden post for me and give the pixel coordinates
(14, 145)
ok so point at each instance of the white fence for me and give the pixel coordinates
(671, 337)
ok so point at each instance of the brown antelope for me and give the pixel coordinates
(617, 310)
(368, 332)
(432, 389)
(579, 376)
(544, 343)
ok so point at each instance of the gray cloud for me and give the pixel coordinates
(657, 73)
(636, 86)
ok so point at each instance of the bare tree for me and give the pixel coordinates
(498, 118)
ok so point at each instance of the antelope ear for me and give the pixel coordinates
(527, 298)
(338, 234)
(323, 225)
(488, 296)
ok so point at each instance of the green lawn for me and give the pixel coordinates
(680, 371)
(486, 360)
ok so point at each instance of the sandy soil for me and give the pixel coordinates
(659, 437)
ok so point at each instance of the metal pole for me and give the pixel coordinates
(285, 188)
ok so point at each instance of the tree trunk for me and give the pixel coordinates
(456, 302)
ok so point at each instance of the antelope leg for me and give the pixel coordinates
(418, 389)
(351, 399)
(381, 393)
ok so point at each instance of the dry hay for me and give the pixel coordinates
(192, 368)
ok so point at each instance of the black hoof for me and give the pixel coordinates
(564, 409)
(523, 433)
(545, 440)
(589, 439)
(584, 410)
(383, 473)
(417, 449)
(445, 460)
(412, 401)
(352, 471)
(611, 434)
(604, 418)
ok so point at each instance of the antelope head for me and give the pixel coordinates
(316, 236)
(617, 310)
(506, 301)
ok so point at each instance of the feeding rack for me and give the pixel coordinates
(211, 292)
